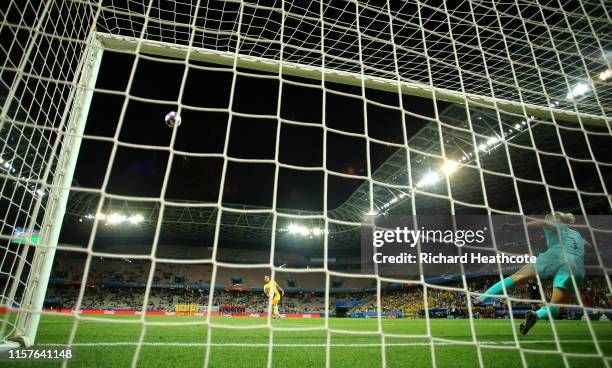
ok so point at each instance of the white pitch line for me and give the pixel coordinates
(265, 345)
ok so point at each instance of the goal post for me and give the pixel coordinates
(30, 307)
(45, 181)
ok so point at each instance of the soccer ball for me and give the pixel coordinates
(173, 119)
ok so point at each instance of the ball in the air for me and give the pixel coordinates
(173, 119)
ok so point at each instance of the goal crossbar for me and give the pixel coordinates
(177, 51)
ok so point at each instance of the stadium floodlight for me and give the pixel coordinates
(495, 62)
(578, 90)
(429, 178)
(492, 141)
(449, 167)
(116, 218)
(135, 219)
(298, 229)
(305, 231)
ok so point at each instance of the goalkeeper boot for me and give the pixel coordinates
(530, 320)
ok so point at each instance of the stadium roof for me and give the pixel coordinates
(251, 224)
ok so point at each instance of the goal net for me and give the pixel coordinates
(302, 124)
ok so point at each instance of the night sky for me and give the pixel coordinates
(139, 172)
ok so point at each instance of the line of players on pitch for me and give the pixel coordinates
(563, 258)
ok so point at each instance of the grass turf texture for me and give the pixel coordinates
(243, 342)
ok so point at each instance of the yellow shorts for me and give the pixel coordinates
(276, 299)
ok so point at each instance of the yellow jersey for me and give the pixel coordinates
(272, 287)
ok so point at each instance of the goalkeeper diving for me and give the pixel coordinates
(274, 292)
(563, 258)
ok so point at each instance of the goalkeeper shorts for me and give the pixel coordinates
(553, 264)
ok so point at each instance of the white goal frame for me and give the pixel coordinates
(177, 51)
(30, 309)
(77, 109)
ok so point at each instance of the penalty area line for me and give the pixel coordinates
(357, 345)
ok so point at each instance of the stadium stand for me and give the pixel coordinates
(112, 285)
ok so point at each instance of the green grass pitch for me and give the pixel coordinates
(111, 341)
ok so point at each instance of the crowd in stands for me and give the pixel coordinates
(128, 298)
(116, 284)
(409, 299)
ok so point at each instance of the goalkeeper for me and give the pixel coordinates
(274, 292)
(563, 258)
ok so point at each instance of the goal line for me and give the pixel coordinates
(333, 345)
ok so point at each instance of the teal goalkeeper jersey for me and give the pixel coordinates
(561, 237)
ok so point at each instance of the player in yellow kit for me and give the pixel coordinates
(273, 290)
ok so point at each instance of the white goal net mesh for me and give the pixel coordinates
(299, 118)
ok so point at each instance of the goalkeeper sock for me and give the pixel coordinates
(275, 308)
(498, 289)
(542, 313)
